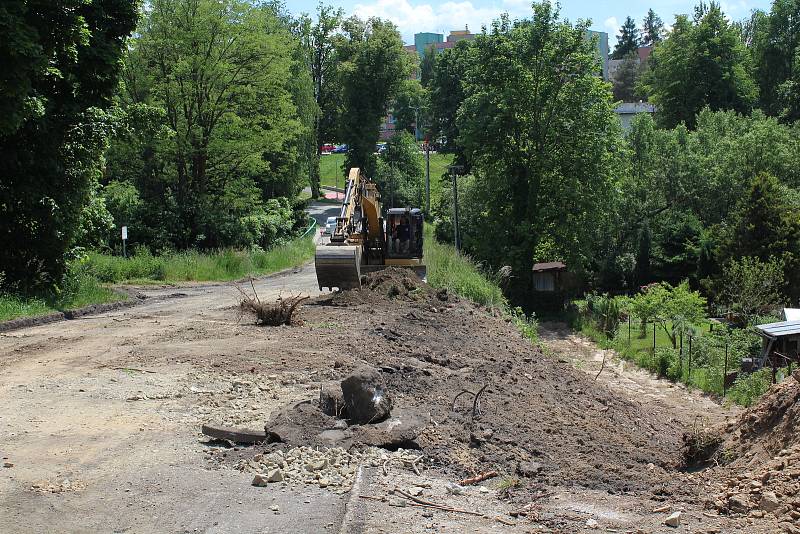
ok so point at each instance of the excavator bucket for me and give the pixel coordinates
(338, 266)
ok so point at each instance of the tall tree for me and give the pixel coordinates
(373, 67)
(427, 66)
(230, 80)
(767, 227)
(446, 96)
(776, 45)
(624, 85)
(652, 29)
(320, 39)
(539, 128)
(628, 40)
(700, 64)
(410, 107)
(60, 67)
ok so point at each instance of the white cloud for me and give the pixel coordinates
(611, 24)
(411, 17)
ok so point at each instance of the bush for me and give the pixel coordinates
(749, 387)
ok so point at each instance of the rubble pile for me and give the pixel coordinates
(333, 468)
(761, 451)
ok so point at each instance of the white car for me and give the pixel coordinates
(330, 225)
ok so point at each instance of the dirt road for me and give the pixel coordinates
(100, 418)
(687, 407)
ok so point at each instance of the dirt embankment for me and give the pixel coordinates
(756, 460)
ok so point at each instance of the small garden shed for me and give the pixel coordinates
(547, 276)
(781, 343)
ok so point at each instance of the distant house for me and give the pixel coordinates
(628, 110)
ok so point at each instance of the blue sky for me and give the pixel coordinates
(413, 16)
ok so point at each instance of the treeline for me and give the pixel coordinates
(195, 123)
(706, 190)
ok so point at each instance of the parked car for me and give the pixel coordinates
(339, 149)
(327, 147)
(330, 226)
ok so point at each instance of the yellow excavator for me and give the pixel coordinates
(364, 241)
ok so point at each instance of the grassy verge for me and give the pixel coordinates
(80, 291)
(193, 266)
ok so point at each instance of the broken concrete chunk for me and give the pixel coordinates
(769, 502)
(276, 475)
(674, 519)
(365, 396)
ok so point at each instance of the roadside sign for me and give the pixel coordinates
(124, 232)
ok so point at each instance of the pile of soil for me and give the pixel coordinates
(539, 419)
(761, 453)
(393, 283)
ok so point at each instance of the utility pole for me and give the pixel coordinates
(454, 169)
(427, 179)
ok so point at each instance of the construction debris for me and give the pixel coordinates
(334, 468)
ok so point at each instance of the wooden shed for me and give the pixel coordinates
(781, 344)
(547, 277)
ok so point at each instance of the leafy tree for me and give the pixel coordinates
(374, 65)
(776, 45)
(237, 115)
(60, 68)
(427, 66)
(625, 77)
(675, 248)
(539, 129)
(652, 29)
(410, 107)
(319, 40)
(767, 227)
(628, 40)
(399, 172)
(751, 287)
(676, 308)
(446, 96)
(642, 269)
(700, 64)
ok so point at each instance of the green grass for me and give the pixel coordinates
(194, 266)
(330, 168)
(80, 291)
(459, 274)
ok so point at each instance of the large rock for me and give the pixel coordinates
(769, 502)
(365, 396)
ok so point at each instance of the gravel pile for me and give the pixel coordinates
(333, 468)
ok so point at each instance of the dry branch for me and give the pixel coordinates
(478, 478)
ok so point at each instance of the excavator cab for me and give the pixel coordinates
(404, 233)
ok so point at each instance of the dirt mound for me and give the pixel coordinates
(392, 283)
(761, 451)
(436, 352)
